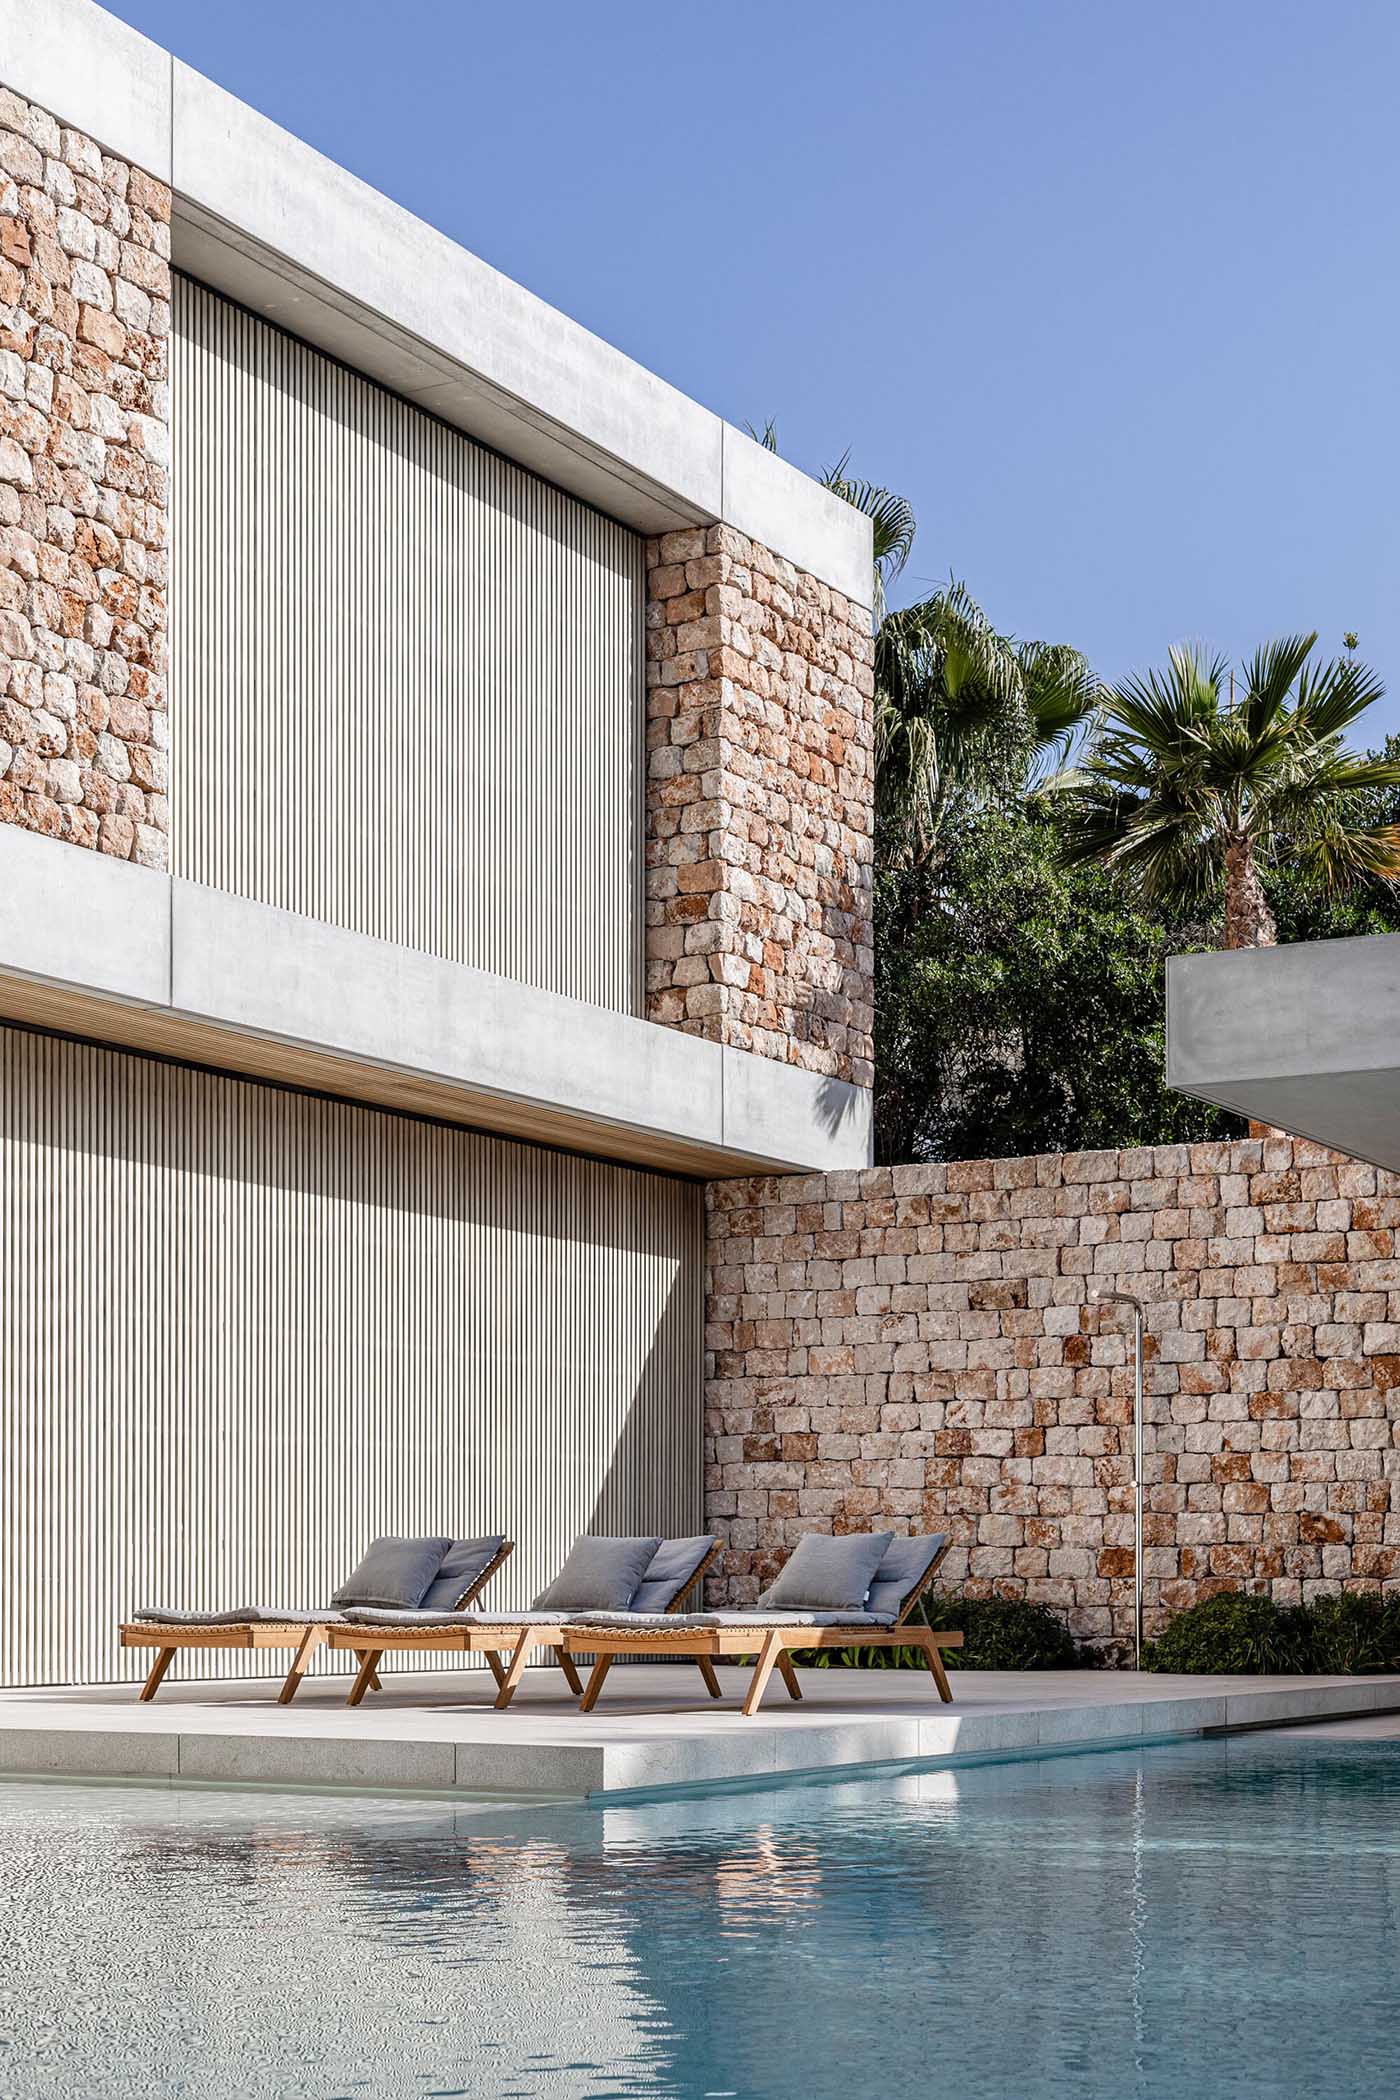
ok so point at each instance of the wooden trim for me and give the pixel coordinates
(302, 1636)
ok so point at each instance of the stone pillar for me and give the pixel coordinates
(760, 798)
(84, 489)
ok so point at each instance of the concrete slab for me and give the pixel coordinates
(438, 1732)
(1300, 1037)
(94, 946)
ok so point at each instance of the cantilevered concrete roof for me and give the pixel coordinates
(1305, 1037)
(93, 946)
(264, 218)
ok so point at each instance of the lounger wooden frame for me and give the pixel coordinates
(507, 1648)
(304, 1636)
(775, 1647)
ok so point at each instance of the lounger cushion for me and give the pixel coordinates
(681, 1621)
(395, 1572)
(241, 1615)
(599, 1574)
(463, 1566)
(903, 1568)
(373, 1615)
(828, 1574)
(671, 1572)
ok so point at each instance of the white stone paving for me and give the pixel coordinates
(653, 1728)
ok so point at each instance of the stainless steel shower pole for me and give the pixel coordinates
(1110, 1297)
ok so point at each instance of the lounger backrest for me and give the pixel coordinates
(465, 1569)
(905, 1573)
(676, 1567)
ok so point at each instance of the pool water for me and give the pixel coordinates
(1210, 1919)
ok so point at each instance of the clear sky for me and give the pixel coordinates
(1108, 290)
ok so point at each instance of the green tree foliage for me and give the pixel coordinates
(1195, 783)
(1019, 1004)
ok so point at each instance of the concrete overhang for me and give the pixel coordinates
(95, 947)
(264, 218)
(1305, 1037)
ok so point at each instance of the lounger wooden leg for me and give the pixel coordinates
(571, 1676)
(369, 1663)
(520, 1655)
(310, 1642)
(707, 1671)
(601, 1666)
(496, 1671)
(934, 1659)
(763, 1669)
(164, 1658)
(789, 1670)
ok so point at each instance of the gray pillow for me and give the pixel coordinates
(395, 1573)
(671, 1572)
(600, 1573)
(902, 1569)
(463, 1565)
(828, 1574)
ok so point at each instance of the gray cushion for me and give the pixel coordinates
(671, 1572)
(463, 1565)
(394, 1572)
(603, 1573)
(828, 1574)
(241, 1615)
(760, 1621)
(903, 1568)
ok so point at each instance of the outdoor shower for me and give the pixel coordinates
(1104, 1296)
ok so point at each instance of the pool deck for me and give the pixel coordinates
(439, 1733)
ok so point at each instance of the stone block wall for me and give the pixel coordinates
(915, 1348)
(760, 793)
(84, 459)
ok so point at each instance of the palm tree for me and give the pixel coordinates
(1194, 781)
(965, 714)
(961, 712)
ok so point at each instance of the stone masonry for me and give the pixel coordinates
(84, 455)
(914, 1348)
(759, 804)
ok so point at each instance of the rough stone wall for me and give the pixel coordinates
(914, 1348)
(759, 804)
(84, 452)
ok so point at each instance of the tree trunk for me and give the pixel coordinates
(1248, 921)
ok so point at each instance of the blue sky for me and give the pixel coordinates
(1109, 291)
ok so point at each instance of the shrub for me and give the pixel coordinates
(1234, 1634)
(1354, 1633)
(1000, 1633)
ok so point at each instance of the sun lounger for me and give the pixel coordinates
(670, 1570)
(902, 1575)
(463, 1567)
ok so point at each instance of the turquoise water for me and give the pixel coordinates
(1208, 1920)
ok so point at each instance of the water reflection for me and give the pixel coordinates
(1214, 1920)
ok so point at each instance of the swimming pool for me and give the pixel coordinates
(1209, 1919)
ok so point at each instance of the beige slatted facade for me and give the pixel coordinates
(406, 674)
(244, 1330)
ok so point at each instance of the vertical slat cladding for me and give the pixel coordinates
(245, 1330)
(406, 677)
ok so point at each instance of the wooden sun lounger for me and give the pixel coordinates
(775, 1645)
(305, 1637)
(507, 1647)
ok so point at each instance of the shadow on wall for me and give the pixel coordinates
(838, 1104)
(654, 1479)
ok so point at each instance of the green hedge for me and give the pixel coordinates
(1236, 1634)
(999, 1633)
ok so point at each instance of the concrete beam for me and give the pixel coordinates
(1304, 1037)
(264, 218)
(95, 947)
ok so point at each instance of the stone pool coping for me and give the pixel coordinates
(438, 1733)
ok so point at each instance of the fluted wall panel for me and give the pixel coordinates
(244, 1330)
(406, 674)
